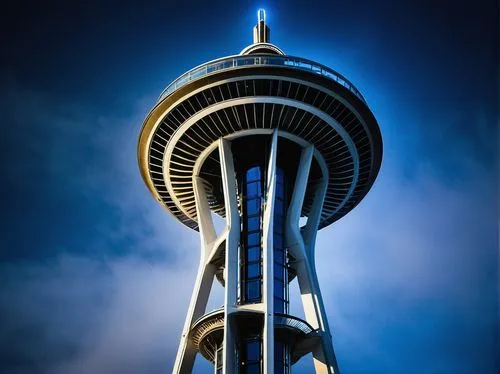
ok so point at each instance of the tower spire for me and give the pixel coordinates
(261, 32)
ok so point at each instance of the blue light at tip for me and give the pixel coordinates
(261, 15)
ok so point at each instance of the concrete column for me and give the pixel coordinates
(268, 259)
(301, 246)
(292, 231)
(232, 244)
(186, 353)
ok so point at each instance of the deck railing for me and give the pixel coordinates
(234, 62)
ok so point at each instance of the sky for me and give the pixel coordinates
(95, 276)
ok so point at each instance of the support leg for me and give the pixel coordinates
(301, 246)
(186, 353)
(232, 244)
(268, 260)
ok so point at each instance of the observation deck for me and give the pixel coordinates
(235, 96)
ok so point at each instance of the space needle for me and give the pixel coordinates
(280, 147)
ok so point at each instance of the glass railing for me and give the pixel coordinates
(233, 62)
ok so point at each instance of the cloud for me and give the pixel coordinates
(78, 315)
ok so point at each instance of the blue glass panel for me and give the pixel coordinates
(253, 350)
(279, 289)
(253, 239)
(278, 351)
(279, 175)
(279, 368)
(278, 220)
(253, 224)
(279, 306)
(278, 241)
(253, 290)
(253, 174)
(253, 270)
(279, 207)
(253, 189)
(253, 368)
(278, 225)
(279, 256)
(253, 254)
(280, 190)
(279, 271)
(253, 206)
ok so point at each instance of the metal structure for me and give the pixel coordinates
(280, 147)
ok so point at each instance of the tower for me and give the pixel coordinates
(280, 147)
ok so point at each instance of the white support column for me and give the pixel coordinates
(311, 229)
(186, 353)
(324, 354)
(293, 236)
(268, 260)
(232, 231)
(301, 246)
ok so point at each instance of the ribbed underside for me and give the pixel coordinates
(260, 115)
(207, 332)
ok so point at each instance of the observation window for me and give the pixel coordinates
(281, 358)
(251, 355)
(252, 216)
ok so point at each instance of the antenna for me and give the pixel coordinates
(261, 33)
(261, 15)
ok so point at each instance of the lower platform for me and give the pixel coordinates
(207, 332)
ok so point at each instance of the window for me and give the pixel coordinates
(253, 239)
(253, 174)
(252, 187)
(278, 358)
(253, 254)
(253, 350)
(253, 207)
(253, 270)
(253, 369)
(279, 289)
(280, 189)
(250, 351)
(251, 355)
(279, 256)
(252, 235)
(281, 358)
(279, 305)
(253, 290)
(278, 225)
(280, 267)
(278, 272)
(278, 241)
(279, 208)
(253, 224)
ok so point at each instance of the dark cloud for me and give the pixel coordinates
(78, 315)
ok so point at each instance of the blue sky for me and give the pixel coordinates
(95, 276)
